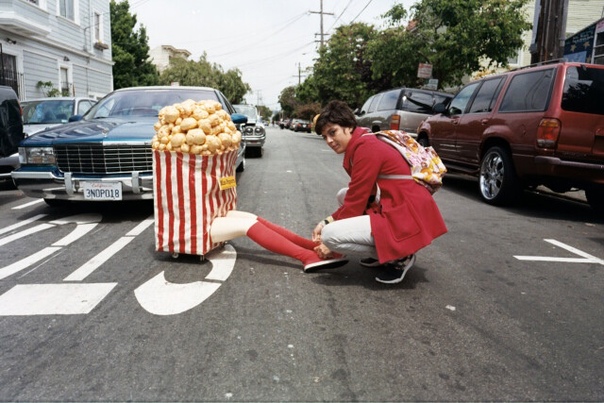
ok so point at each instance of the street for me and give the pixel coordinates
(507, 306)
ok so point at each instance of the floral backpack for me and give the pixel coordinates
(426, 166)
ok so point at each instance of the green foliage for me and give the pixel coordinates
(48, 89)
(205, 74)
(458, 37)
(130, 49)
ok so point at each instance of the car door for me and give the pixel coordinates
(472, 124)
(443, 127)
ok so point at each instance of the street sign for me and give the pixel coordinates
(424, 70)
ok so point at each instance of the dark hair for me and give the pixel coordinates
(336, 112)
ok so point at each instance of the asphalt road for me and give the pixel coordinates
(507, 306)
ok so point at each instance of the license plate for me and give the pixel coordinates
(102, 190)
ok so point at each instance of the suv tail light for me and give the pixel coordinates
(547, 133)
(395, 121)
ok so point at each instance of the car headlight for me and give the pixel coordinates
(259, 130)
(36, 155)
(248, 130)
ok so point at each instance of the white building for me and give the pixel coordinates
(160, 56)
(66, 43)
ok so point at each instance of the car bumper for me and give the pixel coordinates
(254, 141)
(48, 185)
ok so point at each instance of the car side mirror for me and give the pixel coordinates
(74, 118)
(238, 118)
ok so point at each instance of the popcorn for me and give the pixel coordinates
(201, 128)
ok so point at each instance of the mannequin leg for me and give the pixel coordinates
(227, 228)
(292, 236)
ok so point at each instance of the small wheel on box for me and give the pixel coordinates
(202, 258)
(175, 255)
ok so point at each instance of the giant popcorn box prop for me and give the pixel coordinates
(194, 153)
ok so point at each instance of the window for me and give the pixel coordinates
(418, 101)
(64, 81)
(98, 27)
(460, 102)
(487, 94)
(388, 100)
(584, 90)
(365, 106)
(528, 92)
(67, 9)
(374, 103)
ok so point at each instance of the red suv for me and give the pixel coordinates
(541, 125)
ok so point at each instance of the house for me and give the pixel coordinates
(63, 45)
(161, 55)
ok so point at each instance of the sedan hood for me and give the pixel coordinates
(107, 130)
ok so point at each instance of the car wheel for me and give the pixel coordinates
(595, 198)
(241, 166)
(423, 141)
(498, 182)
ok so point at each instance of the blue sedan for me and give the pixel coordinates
(109, 148)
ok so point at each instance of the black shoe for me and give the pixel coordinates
(394, 272)
(369, 262)
(324, 264)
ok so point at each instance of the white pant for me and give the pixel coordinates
(350, 235)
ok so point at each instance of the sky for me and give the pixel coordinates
(272, 42)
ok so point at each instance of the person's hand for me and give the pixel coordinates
(316, 233)
(323, 251)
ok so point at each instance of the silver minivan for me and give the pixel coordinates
(399, 109)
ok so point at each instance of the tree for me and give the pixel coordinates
(457, 37)
(205, 74)
(130, 49)
(343, 70)
(287, 100)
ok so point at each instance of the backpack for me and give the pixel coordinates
(427, 169)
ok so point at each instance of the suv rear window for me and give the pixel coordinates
(528, 92)
(389, 100)
(419, 102)
(584, 90)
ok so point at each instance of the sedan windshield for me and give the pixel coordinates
(46, 112)
(144, 102)
(246, 110)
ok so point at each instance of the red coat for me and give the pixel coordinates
(407, 217)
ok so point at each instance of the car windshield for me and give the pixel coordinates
(47, 111)
(246, 110)
(145, 102)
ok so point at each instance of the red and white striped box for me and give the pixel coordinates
(189, 192)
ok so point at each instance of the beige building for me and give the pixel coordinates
(160, 56)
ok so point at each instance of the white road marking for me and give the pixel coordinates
(586, 258)
(26, 262)
(87, 268)
(53, 299)
(25, 205)
(160, 297)
(21, 223)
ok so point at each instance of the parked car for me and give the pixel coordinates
(109, 145)
(302, 125)
(41, 114)
(44, 113)
(253, 132)
(399, 109)
(11, 131)
(541, 125)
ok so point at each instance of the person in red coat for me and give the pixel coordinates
(387, 219)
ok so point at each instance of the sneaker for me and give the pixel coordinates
(394, 272)
(369, 262)
(324, 264)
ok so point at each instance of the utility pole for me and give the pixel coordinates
(321, 13)
(550, 30)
